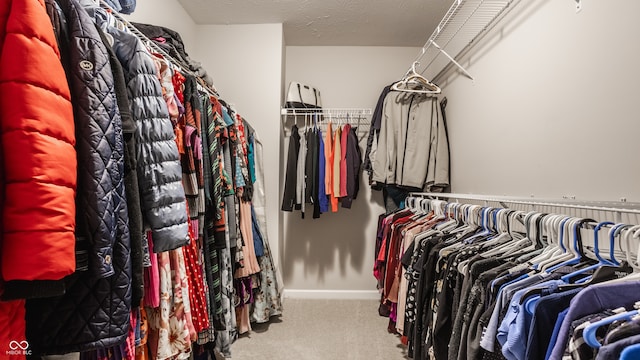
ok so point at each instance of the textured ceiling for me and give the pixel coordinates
(330, 22)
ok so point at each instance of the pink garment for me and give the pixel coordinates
(166, 81)
(250, 262)
(337, 155)
(169, 335)
(181, 285)
(343, 160)
(328, 156)
(152, 278)
(130, 344)
(242, 319)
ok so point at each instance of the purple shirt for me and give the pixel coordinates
(594, 299)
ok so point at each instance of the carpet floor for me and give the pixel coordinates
(322, 330)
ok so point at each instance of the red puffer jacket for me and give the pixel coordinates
(38, 155)
(37, 164)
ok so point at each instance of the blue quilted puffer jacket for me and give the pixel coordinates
(94, 311)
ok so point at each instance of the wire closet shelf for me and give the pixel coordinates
(463, 24)
(327, 111)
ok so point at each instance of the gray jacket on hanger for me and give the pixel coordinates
(412, 148)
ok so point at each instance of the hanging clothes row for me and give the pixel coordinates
(461, 281)
(408, 147)
(146, 225)
(323, 168)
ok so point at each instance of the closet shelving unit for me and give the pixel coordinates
(328, 112)
(461, 27)
(360, 117)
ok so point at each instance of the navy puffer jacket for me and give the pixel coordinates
(94, 311)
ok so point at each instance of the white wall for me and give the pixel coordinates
(335, 252)
(245, 62)
(553, 109)
(167, 13)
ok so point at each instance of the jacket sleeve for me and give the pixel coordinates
(440, 152)
(374, 131)
(289, 196)
(159, 169)
(383, 167)
(37, 146)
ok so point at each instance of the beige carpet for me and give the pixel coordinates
(322, 330)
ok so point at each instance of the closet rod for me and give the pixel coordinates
(609, 206)
(183, 67)
(328, 111)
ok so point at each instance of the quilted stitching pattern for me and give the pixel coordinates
(94, 313)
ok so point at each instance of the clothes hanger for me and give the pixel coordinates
(629, 235)
(576, 256)
(570, 252)
(470, 226)
(412, 78)
(531, 241)
(500, 227)
(574, 252)
(577, 248)
(564, 244)
(617, 231)
(483, 224)
(548, 227)
(589, 333)
(410, 203)
(505, 239)
(465, 219)
(449, 222)
(550, 246)
(601, 261)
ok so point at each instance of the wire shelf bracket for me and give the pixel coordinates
(461, 26)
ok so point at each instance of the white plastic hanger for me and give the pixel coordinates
(416, 83)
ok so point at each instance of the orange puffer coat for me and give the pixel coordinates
(38, 155)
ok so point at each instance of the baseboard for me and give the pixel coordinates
(332, 294)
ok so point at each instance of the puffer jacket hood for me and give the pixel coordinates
(94, 312)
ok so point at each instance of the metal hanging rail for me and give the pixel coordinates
(465, 22)
(328, 111)
(609, 206)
